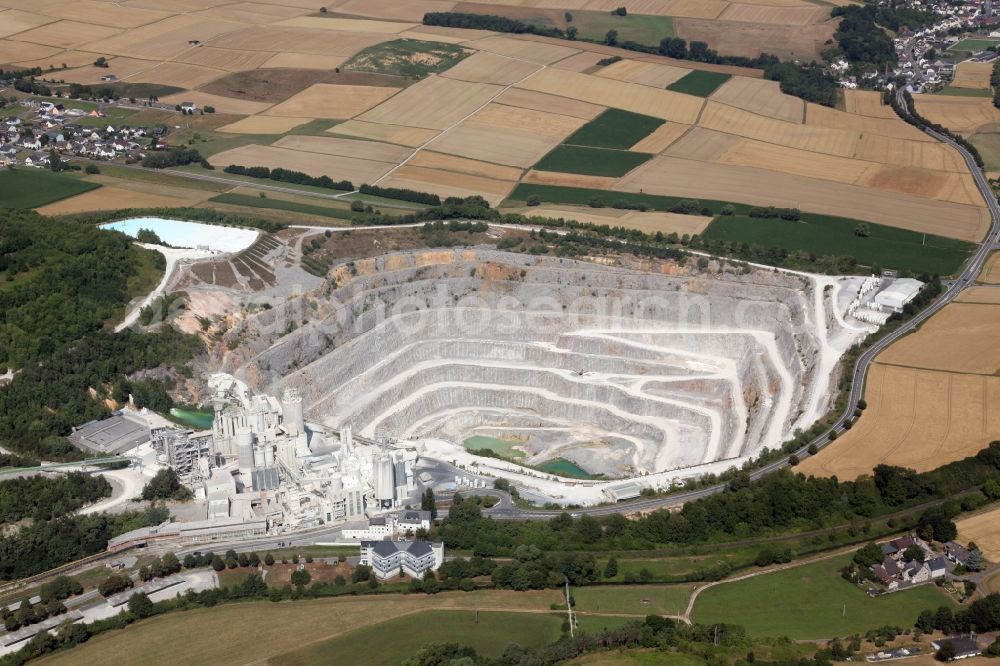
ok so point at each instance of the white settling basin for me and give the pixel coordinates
(195, 235)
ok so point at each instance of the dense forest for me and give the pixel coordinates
(860, 37)
(779, 502)
(44, 498)
(63, 281)
(44, 545)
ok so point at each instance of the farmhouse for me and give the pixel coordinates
(188, 107)
(414, 558)
(964, 646)
(956, 552)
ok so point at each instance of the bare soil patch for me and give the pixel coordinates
(279, 84)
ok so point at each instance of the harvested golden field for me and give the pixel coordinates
(608, 92)
(452, 34)
(569, 179)
(683, 177)
(305, 61)
(448, 183)
(367, 150)
(956, 187)
(68, 58)
(298, 40)
(164, 39)
(11, 51)
(119, 66)
(703, 145)
(221, 104)
(180, 75)
(529, 99)
(404, 136)
(824, 116)
(960, 338)
(991, 271)
(486, 67)
(110, 197)
(745, 39)
(801, 15)
(419, 33)
(799, 162)
(104, 13)
(395, 10)
(761, 97)
(648, 222)
(867, 103)
(989, 295)
(14, 21)
(643, 73)
(984, 529)
(919, 419)
(580, 62)
(420, 105)
(959, 114)
(327, 100)
(338, 168)
(752, 126)
(263, 125)
(256, 13)
(536, 52)
(507, 135)
(432, 160)
(921, 154)
(227, 59)
(65, 34)
(346, 25)
(691, 8)
(972, 75)
(661, 138)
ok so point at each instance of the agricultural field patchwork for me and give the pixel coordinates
(460, 112)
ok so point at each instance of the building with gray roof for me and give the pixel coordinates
(390, 558)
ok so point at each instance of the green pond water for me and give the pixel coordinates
(563, 467)
(197, 419)
(501, 447)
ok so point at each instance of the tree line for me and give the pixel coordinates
(910, 114)
(289, 176)
(43, 498)
(778, 503)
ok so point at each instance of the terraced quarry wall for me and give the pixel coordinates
(623, 370)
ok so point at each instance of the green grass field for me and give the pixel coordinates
(699, 83)
(966, 92)
(811, 602)
(487, 631)
(641, 28)
(633, 599)
(988, 145)
(591, 161)
(411, 58)
(30, 188)
(614, 129)
(820, 234)
(499, 446)
(974, 44)
(280, 204)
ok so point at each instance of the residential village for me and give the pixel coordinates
(28, 136)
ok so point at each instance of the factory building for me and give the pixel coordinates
(390, 558)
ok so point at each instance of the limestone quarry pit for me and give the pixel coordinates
(626, 368)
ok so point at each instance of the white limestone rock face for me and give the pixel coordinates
(625, 370)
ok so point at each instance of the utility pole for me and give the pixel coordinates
(569, 610)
